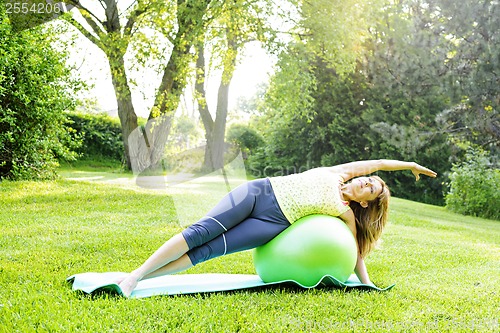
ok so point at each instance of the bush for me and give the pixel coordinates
(249, 141)
(474, 187)
(245, 137)
(101, 135)
(35, 90)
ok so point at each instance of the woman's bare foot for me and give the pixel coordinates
(119, 280)
(128, 284)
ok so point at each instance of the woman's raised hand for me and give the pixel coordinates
(417, 169)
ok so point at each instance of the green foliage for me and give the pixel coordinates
(288, 106)
(309, 112)
(418, 77)
(348, 118)
(391, 105)
(244, 136)
(35, 90)
(404, 97)
(247, 139)
(473, 67)
(101, 135)
(474, 187)
(335, 30)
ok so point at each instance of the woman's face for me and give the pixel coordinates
(366, 189)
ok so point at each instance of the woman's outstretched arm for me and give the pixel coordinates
(361, 168)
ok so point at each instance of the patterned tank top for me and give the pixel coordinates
(316, 191)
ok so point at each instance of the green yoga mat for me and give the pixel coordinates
(195, 283)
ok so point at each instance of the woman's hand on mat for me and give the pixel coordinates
(128, 284)
(417, 169)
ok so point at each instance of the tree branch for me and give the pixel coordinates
(83, 10)
(112, 16)
(206, 117)
(132, 20)
(84, 31)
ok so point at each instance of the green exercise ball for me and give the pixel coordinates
(312, 247)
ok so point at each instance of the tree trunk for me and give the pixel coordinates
(190, 20)
(144, 148)
(126, 112)
(214, 153)
(215, 130)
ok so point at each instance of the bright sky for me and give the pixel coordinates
(254, 68)
(91, 63)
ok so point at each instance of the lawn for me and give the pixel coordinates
(445, 266)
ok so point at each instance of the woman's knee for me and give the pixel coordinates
(202, 232)
(213, 249)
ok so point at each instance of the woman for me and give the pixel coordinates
(257, 211)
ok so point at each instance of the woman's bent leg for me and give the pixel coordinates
(175, 266)
(230, 211)
(251, 233)
(264, 222)
(170, 251)
(234, 208)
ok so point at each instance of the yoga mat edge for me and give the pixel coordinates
(91, 282)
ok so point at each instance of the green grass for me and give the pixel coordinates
(445, 266)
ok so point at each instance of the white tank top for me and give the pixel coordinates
(316, 191)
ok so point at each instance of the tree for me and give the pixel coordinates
(335, 30)
(181, 23)
(474, 66)
(436, 70)
(301, 99)
(239, 22)
(215, 128)
(385, 107)
(405, 94)
(35, 91)
(288, 109)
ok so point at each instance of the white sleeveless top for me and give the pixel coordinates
(316, 191)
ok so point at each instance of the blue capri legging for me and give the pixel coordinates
(247, 217)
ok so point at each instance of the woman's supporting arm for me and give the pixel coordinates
(360, 269)
(361, 168)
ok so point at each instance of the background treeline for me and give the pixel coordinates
(402, 79)
(424, 89)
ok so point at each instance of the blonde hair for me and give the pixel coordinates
(370, 221)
